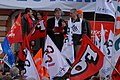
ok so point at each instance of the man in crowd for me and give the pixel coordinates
(55, 31)
(78, 29)
(27, 21)
(27, 24)
(87, 23)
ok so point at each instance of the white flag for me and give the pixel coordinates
(106, 69)
(103, 46)
(97, 43)
(105, 7)
(110, 45)
(53, 60)
(31, 71)
(68, 48)
(116, 49)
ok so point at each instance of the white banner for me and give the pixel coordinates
(65, 5)
(105, 7)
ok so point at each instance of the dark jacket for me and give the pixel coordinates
(77, 37)
(25, 26)
(56, 38)
(88, 26)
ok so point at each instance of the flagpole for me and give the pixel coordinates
(94, 27)
(112, 65)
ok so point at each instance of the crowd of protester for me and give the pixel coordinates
(56, 28)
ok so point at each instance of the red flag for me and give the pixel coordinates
(37, 31)
(88, 61)
(116, 75)
(45, 19)
(15, 34)
(22, 53)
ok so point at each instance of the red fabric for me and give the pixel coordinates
(88, 61)
(42, 34)
(15, 34)
(115, 75)
(30, 22)
(45, 19)
(25, 44)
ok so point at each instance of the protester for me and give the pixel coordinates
(28, 21)
(55, 31)
(39, 42)
(78, 29)
(14, 72)
(87, 23)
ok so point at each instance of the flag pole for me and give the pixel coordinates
(94, 27)
(112, 65)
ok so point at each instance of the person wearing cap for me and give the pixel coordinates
(78, 29)
(55, 29)
(87, 23)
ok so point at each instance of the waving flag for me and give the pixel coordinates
(39, 28)
(105, 7)
(88, 61)
(97, 43)
(106, 69)
(110, 45)
(103, 46)
(25, 44)
(30, 68)
(68, 48)
(55, 63)
(38, 59)
(15, 34)
(116, 49)
(8, 51)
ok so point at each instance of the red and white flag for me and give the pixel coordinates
(53, 60)
(39, 28)
(15, 33)
(25, 44)
(88, 61)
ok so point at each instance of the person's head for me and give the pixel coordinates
(29, 11)
(57, 12)
(14, 71)
(39, 15)
(73, 13)
(80, 13)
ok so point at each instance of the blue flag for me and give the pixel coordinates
(7, 50)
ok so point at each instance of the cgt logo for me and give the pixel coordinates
(88, 57)
(49, 51)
